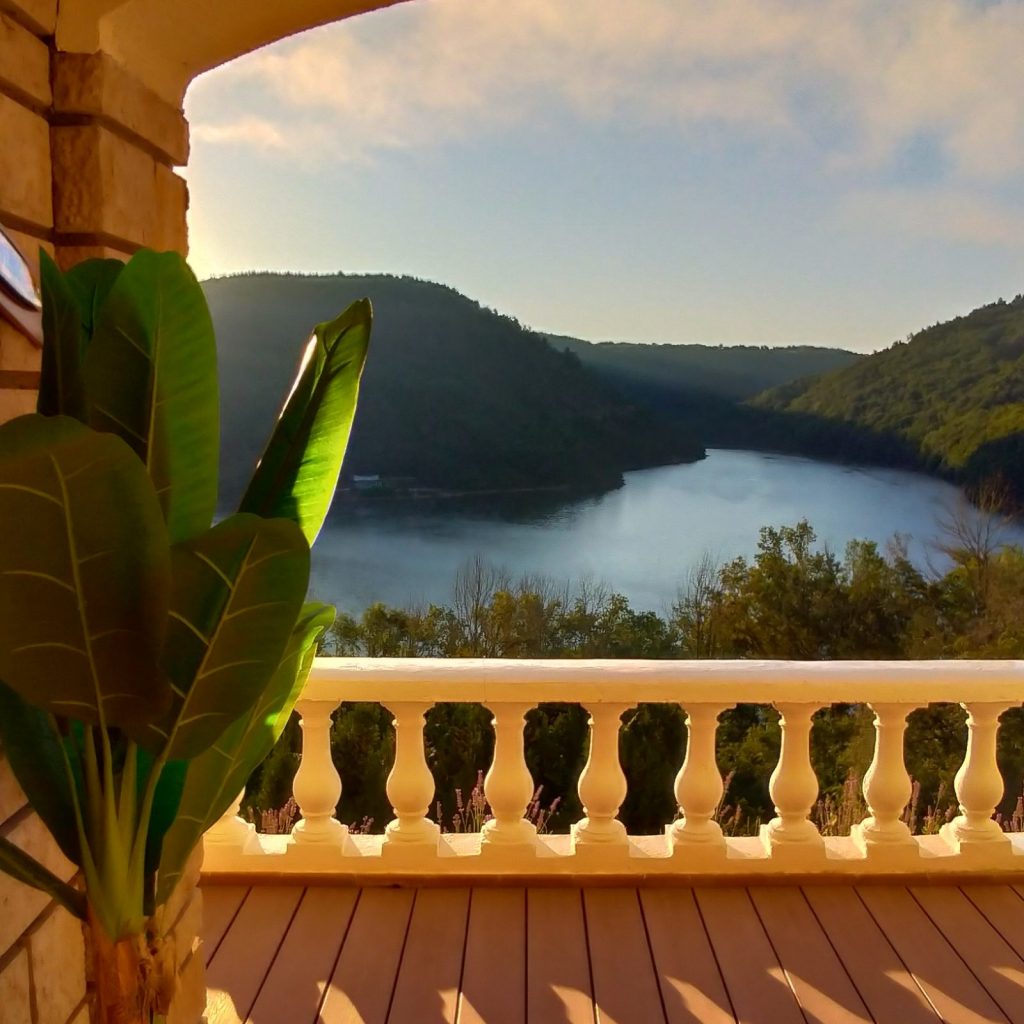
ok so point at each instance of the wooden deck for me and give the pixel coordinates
(773, 954)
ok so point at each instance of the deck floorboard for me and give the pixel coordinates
(493, 987)
(562, 955)
(558, 988)
(949, 983)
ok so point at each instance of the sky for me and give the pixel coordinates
(772, 172)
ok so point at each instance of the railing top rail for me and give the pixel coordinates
(500, 680)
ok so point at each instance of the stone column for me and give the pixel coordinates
(115, 144)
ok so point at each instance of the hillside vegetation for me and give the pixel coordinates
(953, 394)
(705, 391)
(454, 396)
(734, 372)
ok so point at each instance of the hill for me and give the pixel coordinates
(953, 394)
(732, 372)
(455, 396)
(704, 390)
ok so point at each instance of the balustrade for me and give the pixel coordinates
(410, 786)
(793, 786)
(699, 788)
(317, 785)
(510, 689)
(232, 830)
(602, 785)
(887, 786)
(508, 786)
(978, 783)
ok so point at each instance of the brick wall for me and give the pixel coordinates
(87, 158)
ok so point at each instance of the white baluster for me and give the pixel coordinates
(699, 783)
(232, 830)
(410, 785)
(978, 783)
(602, 785)
(508, 785)
(887, 786)
(317, 786)
(793, 785)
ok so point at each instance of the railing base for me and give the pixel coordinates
(459, 856)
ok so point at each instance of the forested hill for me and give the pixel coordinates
(704, 390)
(953, 393)
(454, 396)
(733, 372)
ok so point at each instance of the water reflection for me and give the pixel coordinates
(641, 539)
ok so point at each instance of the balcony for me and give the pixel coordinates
(509, 925)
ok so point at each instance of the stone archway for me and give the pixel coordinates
(92, 128)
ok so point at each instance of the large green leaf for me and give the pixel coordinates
(298, 472)
(217, 776)
(61, 389)
(32, 747)
(18, 864)
(238, 589)
(90, 282)
(151, 378)
(71, 303)
(84, 573)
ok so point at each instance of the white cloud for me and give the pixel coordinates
(250, 131)
(862, 78)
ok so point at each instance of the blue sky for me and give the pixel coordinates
(835, 172)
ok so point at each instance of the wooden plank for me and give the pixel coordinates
(364, 977)
(888, 989)
(237, 970)
(220, 904)
(943, 976)
(817, 976)
(494, 971)
(625, 985)
(691, 985)
(755, 980)
(427, 988)
(1003, 909)
(557, 962)
(296, 983)
(988, 956)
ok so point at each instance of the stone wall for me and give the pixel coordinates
(86, 165)
(87, 158)
(42, 950)
(26, 206)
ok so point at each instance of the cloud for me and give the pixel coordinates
(250, 131)
(861, 80)
(934, 214)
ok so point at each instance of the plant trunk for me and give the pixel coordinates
(132, 977)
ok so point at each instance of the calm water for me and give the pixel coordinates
(640, 540)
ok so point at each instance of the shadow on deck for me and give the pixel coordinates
(278, 954)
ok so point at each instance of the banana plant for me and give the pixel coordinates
(150, 657)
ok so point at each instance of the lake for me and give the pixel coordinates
(640, 540)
